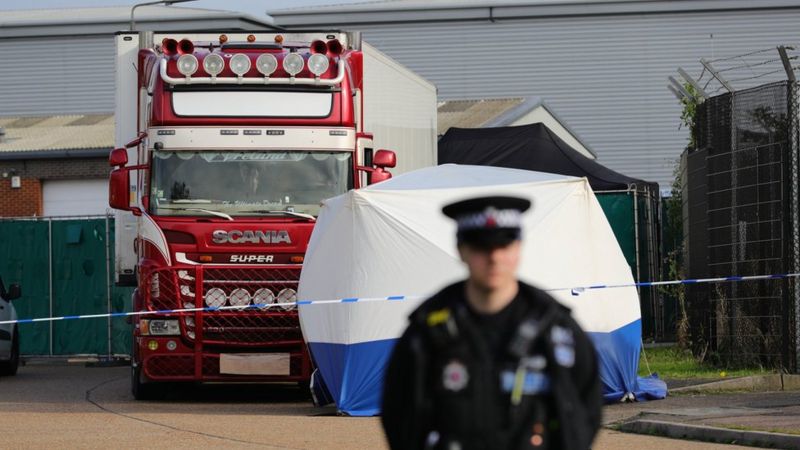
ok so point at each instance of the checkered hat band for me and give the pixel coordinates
(490, 218)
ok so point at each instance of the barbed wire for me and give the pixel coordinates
(751, 66)
(735, 80)
(755, 52)
(741, 68)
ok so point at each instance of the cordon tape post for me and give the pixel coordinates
(576, 291)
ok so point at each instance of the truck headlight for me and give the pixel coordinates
(186, 291)
(159, 327)
(215, 297)
(239, 297)
(184, 275)
(287, 295)
(263, 297)
(155, 290)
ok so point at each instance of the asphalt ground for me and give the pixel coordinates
(50, 405)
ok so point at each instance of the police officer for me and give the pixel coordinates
(491, 362)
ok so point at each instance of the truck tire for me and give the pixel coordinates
(145, 391)
(9, 368)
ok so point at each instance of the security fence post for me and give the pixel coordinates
(108, 289)
(794, 197)
(50, 280)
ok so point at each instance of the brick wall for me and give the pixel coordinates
(23, 201)
(27, 200)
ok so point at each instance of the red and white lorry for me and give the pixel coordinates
(227, 143)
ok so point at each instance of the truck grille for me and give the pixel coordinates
(269, 326)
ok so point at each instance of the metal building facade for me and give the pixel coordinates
(51, 76)
(602, 65)
(62, 61)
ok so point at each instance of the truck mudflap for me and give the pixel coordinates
(230, 327)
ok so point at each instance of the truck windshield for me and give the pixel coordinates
(228, 183)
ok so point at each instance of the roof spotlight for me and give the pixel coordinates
(266, 64)
(187, 65)
(240, 64)
(318, 64)
(213, 64)
(293, 64)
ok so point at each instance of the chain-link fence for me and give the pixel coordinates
(740, 219)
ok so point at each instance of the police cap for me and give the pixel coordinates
(488, 221)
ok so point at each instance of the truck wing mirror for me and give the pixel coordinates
(118, 157)
(118, 187)
(13, 292)
(384, 159)
(379, 175)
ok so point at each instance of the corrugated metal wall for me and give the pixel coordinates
(606, 76)
(57, 75)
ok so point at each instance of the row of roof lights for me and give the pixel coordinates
(266, 64)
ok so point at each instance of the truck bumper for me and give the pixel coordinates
(204, 366)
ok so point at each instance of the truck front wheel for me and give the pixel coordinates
(145, 391)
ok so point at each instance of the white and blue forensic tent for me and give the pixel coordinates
(391, 240)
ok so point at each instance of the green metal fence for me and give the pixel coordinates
(634, 218)
(65, 267)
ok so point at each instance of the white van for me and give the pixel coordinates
(9, 335)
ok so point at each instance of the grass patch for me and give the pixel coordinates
(673, 362)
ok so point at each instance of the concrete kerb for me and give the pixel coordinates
(755, 383)
(711, 434)
(656, 423)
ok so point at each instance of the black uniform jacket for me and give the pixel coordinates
(443, 386)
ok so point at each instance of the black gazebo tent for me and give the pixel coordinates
(530, 147)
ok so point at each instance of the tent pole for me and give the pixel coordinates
(50, 273)
(651, 263)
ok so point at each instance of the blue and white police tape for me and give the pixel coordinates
(263, 306)
(580, 290)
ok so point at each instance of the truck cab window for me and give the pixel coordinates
(246, 183)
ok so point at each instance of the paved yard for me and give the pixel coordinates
(72, 406)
